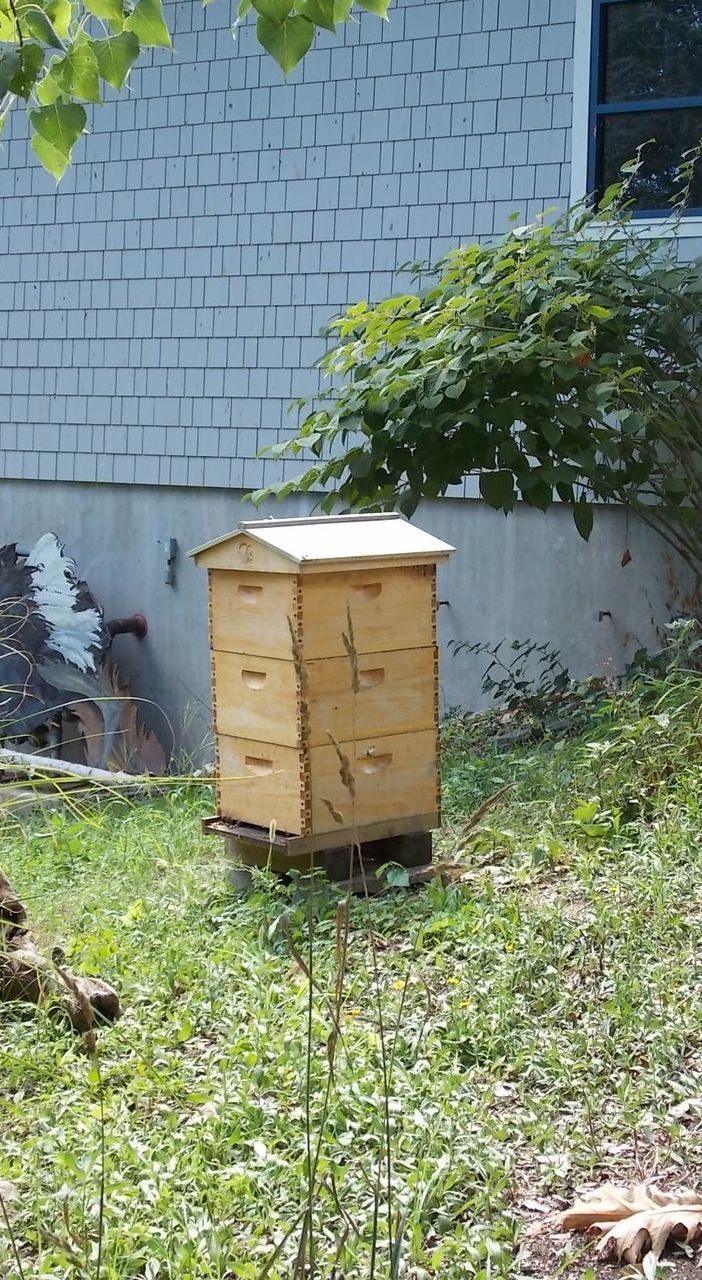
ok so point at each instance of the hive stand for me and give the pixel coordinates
(325, 688)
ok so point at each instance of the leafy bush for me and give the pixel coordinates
(560, 362)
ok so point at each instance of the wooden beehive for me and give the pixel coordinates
(281, 593)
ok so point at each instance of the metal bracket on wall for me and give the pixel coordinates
(170, 551)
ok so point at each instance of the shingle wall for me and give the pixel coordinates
(159, 309)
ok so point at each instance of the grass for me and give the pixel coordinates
(541, 1025)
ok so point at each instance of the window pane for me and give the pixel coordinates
(674, 131)
(652, 49)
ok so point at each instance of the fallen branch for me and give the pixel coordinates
(68, 772)
(30, 978)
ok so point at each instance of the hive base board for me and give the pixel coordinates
(255, 847)
(338, 839)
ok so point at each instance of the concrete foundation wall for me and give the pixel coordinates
(525, 576)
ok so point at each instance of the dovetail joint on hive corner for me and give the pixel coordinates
(213, 681)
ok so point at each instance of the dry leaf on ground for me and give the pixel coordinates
(9, 1195)
(645, 1219)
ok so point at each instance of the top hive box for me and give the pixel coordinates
(292, 677)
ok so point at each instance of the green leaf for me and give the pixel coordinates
(48, 89)
(376, 6)
(538, 494)
(408, 503)
(61, 13)
(9, 66)
(583, 515)
(244, 7)
(320, 12)
(31, 62)
(497, 489)
(286, 41)
(52, 160)
(551, 432)
(396, 875)
(116, 57)
(111, 10)
(147, 22)
(610, 195)
(602, 391)
(342, 10)
(276, 10)
(359, 464)
(57, 129)
(77, 73)
(40, 25)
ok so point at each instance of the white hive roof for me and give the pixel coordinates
(327, 540)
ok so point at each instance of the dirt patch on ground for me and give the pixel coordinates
(552, 1254)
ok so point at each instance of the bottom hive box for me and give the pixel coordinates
(396, 776)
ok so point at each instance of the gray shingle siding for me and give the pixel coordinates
(162, 306)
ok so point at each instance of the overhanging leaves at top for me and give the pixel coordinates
(100, 40)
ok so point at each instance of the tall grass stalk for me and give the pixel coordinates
(12, 1238)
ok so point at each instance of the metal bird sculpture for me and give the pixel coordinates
(53, 641)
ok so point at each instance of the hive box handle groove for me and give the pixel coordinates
(367, 679)
(254, 679)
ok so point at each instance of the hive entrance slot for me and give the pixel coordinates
(367, 590)
(257, 766)
(375, 764)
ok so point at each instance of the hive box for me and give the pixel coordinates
(323, 644)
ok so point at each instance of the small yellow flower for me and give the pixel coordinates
(453, 982)
(352, 1013)
(398, 984)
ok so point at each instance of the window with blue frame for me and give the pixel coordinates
(646, 85)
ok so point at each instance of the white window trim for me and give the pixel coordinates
(582, 53)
